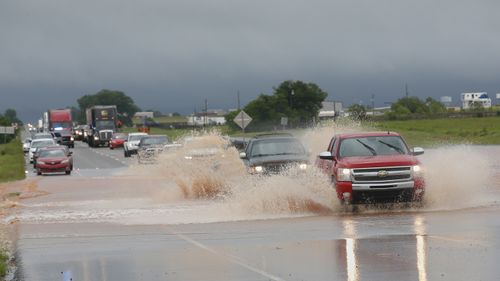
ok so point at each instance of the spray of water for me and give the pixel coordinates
(205, 181)
(459, 176)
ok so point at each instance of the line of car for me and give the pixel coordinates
(363, 167)
(47, 155)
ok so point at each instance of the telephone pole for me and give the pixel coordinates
(406, 89)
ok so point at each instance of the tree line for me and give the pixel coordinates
(297, 101)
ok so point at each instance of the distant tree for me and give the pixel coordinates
(357, 111)
(407, 107)
(413, 104)
(435, 106)
(11, 116)
(124, 104)
(176, 114)
(298, 101)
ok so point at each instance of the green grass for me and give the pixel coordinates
(4, 267)
(446, 131)
(11, 161)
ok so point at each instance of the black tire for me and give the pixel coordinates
(68, 172)
(38, 173)
(126, 154)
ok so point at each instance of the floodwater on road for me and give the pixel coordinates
(186, 220)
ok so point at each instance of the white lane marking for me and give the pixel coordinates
(230, 258)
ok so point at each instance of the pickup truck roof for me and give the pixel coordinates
(367, 134)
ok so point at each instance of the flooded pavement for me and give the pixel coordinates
(138, 224)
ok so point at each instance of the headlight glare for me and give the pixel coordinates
(303, 166)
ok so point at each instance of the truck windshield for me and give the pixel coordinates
(105, 124)
(61, 125)
(371, 146)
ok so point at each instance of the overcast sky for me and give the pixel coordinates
(171, 55)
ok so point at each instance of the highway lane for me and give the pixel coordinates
(119, 224)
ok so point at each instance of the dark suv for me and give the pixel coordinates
(272, 154)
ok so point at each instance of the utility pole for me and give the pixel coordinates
(406, 89)
(242, 119)
(373, 105)
(206, 109)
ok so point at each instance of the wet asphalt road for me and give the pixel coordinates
(75, 233)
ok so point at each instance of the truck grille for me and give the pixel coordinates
(382, 174)
(383, 196)
(105, 135)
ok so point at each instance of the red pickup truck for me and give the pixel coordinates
(373, 167)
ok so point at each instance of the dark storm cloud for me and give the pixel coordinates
(171, 55)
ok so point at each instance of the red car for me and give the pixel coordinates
(54, 160)
(373, 167)
(117, 140)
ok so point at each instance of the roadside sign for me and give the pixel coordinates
(7, 130)
(284, 121)
(242, 119)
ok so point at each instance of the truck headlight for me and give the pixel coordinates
(344, 174)
(417, 170)
(96, 138)
(303, 166)
(72, 138)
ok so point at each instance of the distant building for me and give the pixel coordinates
(330, 109)
(146, 114)
(469, 100)
(213, 117)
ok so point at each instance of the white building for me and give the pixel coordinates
(146, 114)
(330, 109)
(471, 99)
(208, 118)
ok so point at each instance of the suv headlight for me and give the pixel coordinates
(256, 169)
(40, 162)
(344, 174)
(96, 138)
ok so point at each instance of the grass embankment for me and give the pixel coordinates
(11, 161)
(446, 131)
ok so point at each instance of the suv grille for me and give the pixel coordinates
(383, 174)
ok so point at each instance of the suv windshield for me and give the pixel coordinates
(371, 146)
(274, 146)
(153, 140)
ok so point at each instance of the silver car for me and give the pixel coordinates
(37, 143)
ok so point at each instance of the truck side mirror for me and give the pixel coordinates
(243, 155)
(326, 155)
(417, 151)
